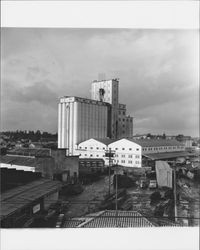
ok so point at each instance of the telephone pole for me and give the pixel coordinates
(110, 154)
(175, 191)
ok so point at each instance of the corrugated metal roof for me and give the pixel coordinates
(156, 143)
(166, 155)
(108, 218)
(19, 197)
(20, 160)
(105, 141)
(30, 151)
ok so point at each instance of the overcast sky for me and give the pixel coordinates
(158, 71)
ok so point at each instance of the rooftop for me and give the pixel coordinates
(108, 218)
(30, 151)
(156, 142)
(19, 197)
(20, 160)
(81, 99)
(167, 155)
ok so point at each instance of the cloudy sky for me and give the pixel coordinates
(158, 71)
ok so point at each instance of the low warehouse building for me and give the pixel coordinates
(22, 203)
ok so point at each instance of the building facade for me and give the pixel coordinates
(108, 91)
(128, 152)
(125, 123)
(80, 119)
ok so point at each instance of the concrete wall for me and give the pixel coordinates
(65, 163)
(45, 165)
(111, 88)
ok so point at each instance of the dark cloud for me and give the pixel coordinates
(37, 92)
(158, 71)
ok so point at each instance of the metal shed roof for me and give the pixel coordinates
(156, 143)
(19, 197)
(166, 155)
(20, 160)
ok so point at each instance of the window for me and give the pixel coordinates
(97, 148)
(91, 155)
(123, 120)
(122, 161)
(123, 156)
(91, 147)
(137, 156)
(137, 162)
(130, 162)
(116, 155)
(116, 148)
(103, 148)
(80, 147)
(130, 156)
(123, 148)
(85, 147)
(123, 112)
(97, 155)
(137, 149)
(85, 154)
(130, 148)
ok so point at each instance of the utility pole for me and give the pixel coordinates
(116, 197)
(175, 190)
(110, 155)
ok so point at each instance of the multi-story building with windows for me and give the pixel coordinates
(128, 152)
(125, 123)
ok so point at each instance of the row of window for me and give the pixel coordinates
(129, 162)
(161, 148)
(129, 156)
(122, 156)
(97, 148)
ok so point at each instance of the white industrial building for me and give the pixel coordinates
(94, 148)
(100, 117)
(128, 152)
(80, 119)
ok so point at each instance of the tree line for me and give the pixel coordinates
(33, 136)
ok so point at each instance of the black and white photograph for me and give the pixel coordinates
(99, 128)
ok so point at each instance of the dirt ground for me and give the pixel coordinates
(89, 199)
